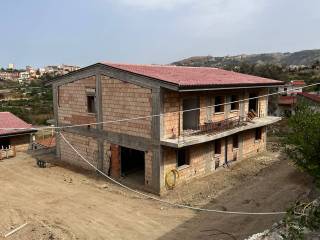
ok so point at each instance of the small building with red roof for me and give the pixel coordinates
(292, 88)
(311, 98)
(14, 132)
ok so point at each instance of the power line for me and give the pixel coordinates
(163, 114)
(162, 200)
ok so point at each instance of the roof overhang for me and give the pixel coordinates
(18, 133)
(105, 69)
(226, 87)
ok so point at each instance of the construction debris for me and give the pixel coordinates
(15, 230)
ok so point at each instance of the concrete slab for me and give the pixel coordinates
(184, 141)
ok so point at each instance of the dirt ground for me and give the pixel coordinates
(58, 203)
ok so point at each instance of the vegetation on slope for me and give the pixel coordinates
(32, 101)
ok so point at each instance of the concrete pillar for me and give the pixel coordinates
(99, 119)
(241, 105)
(157, 161)
(240, 145)
(55, 95)
(227, 106)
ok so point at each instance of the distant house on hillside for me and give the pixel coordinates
(9, 75)
(14, 132)
(287, 104)
(288, 97)
(313, 99)
(292, 87)
(5, 94)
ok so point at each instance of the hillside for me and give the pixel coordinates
(305, 57)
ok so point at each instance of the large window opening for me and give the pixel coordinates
(91, 103)
(218, 104)
(183, 157)
(234, 102)
(253, 102)
(217, 146)
(258, 133)
(235, 141)
(191, 113)
(133, 164)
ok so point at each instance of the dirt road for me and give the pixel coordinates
(60, 204)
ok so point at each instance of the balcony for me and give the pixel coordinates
(215, 130)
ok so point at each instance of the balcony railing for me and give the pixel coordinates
(219, 126)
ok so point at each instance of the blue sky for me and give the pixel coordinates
(82, 32)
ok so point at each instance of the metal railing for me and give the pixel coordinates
(211, 127)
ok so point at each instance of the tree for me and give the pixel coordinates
(303, 144)
(303, 140)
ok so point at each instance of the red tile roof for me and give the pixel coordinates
(8, 120)
(311, 96)
(194, 76)
(298, 83)
(287, 100)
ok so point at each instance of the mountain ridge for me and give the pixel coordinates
(299, 58)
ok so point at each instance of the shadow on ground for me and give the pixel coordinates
(273, 189)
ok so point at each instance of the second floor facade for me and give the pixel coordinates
(144, 106)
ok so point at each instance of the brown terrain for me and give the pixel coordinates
(58, 203)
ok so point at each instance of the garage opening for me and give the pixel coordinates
(133, 165)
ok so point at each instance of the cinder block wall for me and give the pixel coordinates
(252, 146)
(148, 168)
(72, 102)
(202, 156)
(173, 121)
(201, 161)
(119, 100)
(171, 107)
(87, 147)
(125, 100)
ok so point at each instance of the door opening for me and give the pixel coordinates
(253, 103)
(133, 164)
(191, 118)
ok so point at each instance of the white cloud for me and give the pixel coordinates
(221, 18)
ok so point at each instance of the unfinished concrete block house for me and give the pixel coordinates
(192, 143)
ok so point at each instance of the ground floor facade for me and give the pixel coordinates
(19, 142)
(10, 145)
(149, 167)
